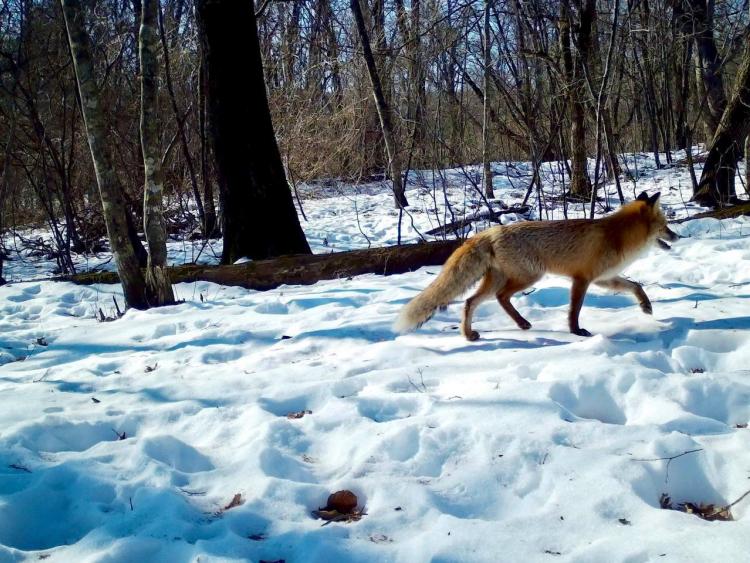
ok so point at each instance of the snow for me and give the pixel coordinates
(523, 446)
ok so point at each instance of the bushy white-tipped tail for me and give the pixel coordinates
(406, 320)
(464, 267)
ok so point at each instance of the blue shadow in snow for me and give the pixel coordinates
(559, 296)
(497, 343)
(682, 325)
(58, 354)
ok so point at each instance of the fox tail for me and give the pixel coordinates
(464, 267)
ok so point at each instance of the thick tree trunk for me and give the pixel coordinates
(580, 185)
(716, 187)
(305, 269)
(113, 202)
(158, 285)
(384, 110)
(259, 218)
(709, 62)
(141, 255)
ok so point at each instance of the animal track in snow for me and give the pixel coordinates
(403, 445)
(62, 436)
(275, 463)
(387, 409)
(78, 502)
(176, 453)
(221, 356)
(588, 399)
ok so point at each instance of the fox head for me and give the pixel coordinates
(657, 222)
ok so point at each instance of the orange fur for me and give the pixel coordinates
(513, 257)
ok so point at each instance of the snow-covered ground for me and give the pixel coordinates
(125, 440)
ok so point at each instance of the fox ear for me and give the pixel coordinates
(654, 199)
(643, 196)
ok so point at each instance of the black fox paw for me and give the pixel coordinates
(581, 332)
(472, 336)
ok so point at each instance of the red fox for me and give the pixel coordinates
(513, 257)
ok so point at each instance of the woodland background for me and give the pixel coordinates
(418, 85)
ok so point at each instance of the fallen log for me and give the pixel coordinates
(308, 269)
(302, 269)
(722, 213)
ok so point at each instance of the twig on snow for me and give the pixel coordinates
(669, 460)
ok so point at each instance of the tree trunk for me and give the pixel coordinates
(113, 202)
(716, 187)
(580, 185)
(681, 100)
(181, 130)
(418, 99)
(384, 111)
(259, 218)
(290, 44)
(211, 226)
(645, 67)
(5, 176)
(8, 145)
(708, 60)
(489, 192)
(315, 75)
(158, 286)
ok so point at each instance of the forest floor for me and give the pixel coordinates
(131, 440)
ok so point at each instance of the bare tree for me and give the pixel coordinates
(384, 110)
(717, 186)
(113, 203)
(158, 286)
(486, 168)
(573, 63)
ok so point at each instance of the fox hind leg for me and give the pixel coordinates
(506, 292)
(486, 289)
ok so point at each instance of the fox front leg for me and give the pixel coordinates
(621, 284)
(577, 293)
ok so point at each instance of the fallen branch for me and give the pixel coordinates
(669, 460)
(458, 226)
